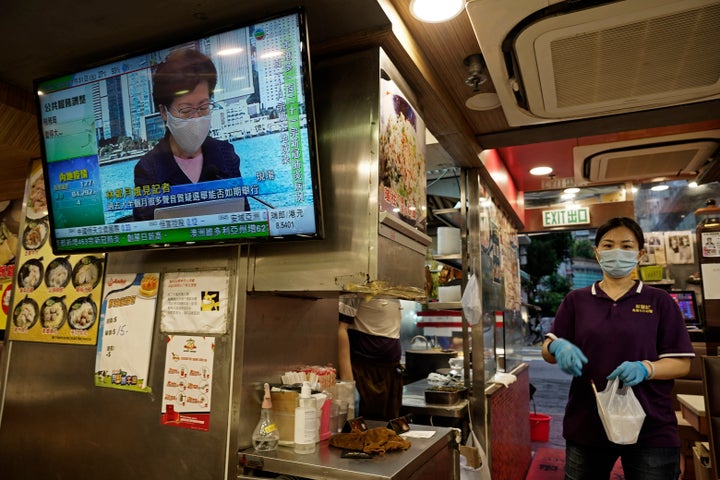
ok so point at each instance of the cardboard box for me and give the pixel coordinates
(701, 460)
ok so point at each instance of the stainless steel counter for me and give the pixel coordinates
(413, 401)
(427, 459)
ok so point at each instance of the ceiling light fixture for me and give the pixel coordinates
(538, 171)
(476, 65)
(435, 11)
(659, 188)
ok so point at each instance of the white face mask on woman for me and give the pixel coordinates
(189, 133)
(618, 263)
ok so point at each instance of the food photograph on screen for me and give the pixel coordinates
(207, 141)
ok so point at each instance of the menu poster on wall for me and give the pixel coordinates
(125, 333)
(5, 293)
(187, 384)
(402, 157)
(10, 217)
(195, 302)
(55, 299)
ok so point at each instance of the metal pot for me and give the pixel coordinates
(420, 363)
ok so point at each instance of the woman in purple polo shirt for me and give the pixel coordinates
(620, 328)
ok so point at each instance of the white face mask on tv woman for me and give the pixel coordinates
(189, 133)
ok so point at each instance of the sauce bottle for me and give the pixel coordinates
(266, 436)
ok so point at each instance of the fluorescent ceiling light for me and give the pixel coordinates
(434, 11)
(659, 188)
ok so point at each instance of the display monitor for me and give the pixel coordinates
(208, 140)
(688, 307)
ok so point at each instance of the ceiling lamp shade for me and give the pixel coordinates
(435, 11)
(483, 101)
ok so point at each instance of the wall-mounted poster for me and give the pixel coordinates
(679, 247)
(126, 328)
(10, 217)
(5, 293)
(710, 244)
(654, 249)
(187, 384)
(195, 302)
(56, 299)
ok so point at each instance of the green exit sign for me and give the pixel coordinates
(566, 216)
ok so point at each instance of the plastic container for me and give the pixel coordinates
(539, 427)
(651, 273)
(323, 404)
(448, 241)
(449, 294)
(306, 425)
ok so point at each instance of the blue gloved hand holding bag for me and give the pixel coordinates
(630, 373)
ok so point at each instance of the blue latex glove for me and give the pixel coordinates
(630, 373)
(569, 357)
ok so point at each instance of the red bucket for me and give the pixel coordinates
(539, 427)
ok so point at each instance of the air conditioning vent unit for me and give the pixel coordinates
(668, 157)
(556, 60)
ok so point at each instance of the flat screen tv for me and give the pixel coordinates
(209, 140)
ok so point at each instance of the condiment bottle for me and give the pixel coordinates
(266, 436)
(306, 427)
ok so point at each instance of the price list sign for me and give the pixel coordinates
(126, 328)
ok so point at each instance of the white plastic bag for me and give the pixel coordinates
(620, 411)
(471, 301)
(473, 460)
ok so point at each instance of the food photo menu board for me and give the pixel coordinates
(56, 298)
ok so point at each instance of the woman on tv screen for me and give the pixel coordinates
(183, 86)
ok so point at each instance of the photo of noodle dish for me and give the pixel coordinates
(53, 313)
(37, 201)
(87, 273)
(35, 234)
(81, 314)
(402, 171)
(57, 273)
(31, 274)
(25, 313)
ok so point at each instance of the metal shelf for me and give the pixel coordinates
(444, 305)
(449, 216)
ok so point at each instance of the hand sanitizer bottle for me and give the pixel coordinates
(306, 427)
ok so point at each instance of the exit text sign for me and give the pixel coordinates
(566, 216)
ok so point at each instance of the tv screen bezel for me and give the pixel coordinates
(196, 35)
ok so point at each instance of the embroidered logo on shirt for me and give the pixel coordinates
(642, 308)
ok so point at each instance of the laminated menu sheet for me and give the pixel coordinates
(125, 333)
